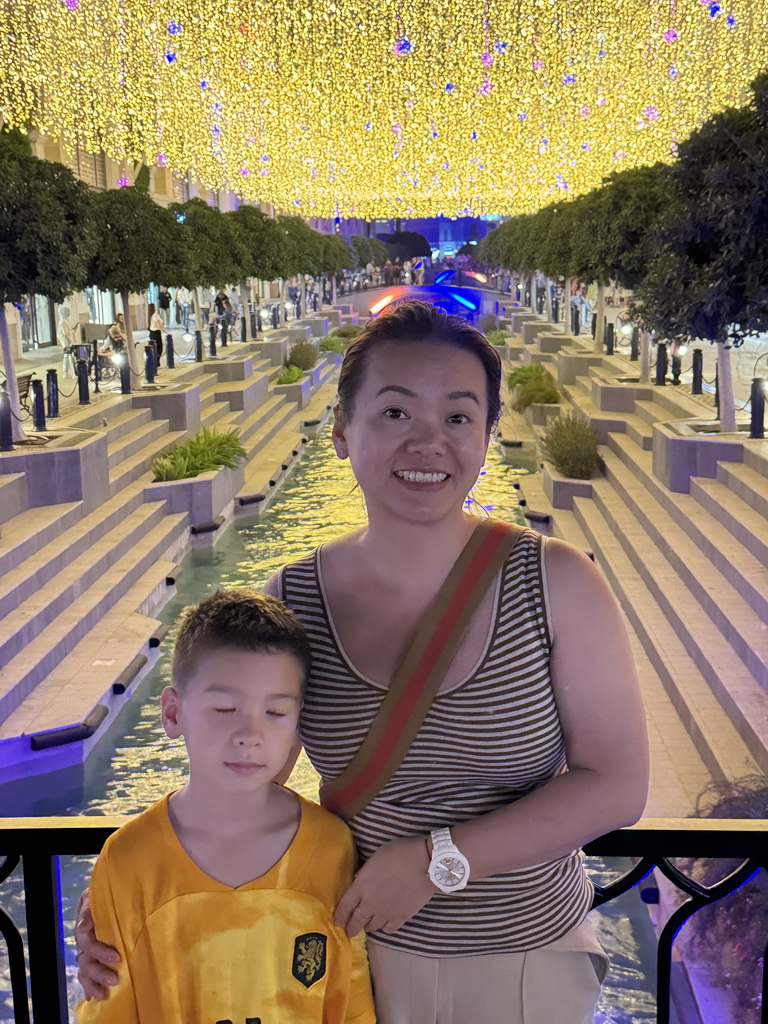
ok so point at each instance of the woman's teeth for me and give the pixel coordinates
(421, 478)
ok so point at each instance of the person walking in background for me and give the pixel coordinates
(164, 304)
(184, 298)
(66, 339)
(156, 326)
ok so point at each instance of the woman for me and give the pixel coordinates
(156, 326)
(116, 333)
(543, 678)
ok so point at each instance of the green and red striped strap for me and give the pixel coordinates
(420, 671)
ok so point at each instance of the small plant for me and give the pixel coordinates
(290, 374)
(571, 444)
(303, 354)
(536, 390)
(345, 331)
(487, 322)
(497, 337)
(531, 371)
(333, 343)
(206, 451)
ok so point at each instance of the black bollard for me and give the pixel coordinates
(717, 393)
(125, 375)
(254, 322)
(224, 333)
(81, 371)
(594, 324)
(150, 362)
(677, 367)
(610, 339)
(275, 316)
(52, 387)
(212, 341)
(634, 345)
(661, 363)
(6, 423)
(242, 328)
(757, 404)
(698, 371)
(38, 409)
(198, 346)
(96, 366)
(170, 355)
(555, 311)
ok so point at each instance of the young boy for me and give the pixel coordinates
(220, 897)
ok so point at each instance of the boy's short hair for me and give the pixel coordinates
(242, 619)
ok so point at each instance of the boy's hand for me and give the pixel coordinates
(388, 890)
(92, 956)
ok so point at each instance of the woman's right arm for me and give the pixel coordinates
(93, 956)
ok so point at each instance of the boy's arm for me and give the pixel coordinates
(120, 1005)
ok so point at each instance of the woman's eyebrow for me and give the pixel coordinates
(464, 394)
(454, 395)
(396, 387)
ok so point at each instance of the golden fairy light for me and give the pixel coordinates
(380, 109)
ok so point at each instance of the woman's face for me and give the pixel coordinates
(418, 436)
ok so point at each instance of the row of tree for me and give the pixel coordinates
(57, 236)
(689, 238)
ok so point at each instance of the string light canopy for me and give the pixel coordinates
(380, 109)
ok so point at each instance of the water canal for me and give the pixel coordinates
(135, 763)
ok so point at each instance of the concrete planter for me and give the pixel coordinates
(300, 392)
(540, 413)
(73, 466)
(686, 448)
(561, 490)
(204, 498)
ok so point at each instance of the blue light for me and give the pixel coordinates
(170, 56)
(444, 276)
(714, 10)
(468, 303)
(181, 217)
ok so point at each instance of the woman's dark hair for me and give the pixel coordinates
(414, 321)
(151, 310)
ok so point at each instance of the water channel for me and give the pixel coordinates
(135, 763)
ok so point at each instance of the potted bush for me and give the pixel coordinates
(570, 444)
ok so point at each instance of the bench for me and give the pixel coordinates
(24, 384)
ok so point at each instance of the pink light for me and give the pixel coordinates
(162, 160)
(670, 36)
(123, 181)
(378, 306)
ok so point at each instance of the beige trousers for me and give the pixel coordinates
(555, 984)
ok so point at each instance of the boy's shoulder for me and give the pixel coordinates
(147, 829)
(320, 820)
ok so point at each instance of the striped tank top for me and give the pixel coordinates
(483, 744)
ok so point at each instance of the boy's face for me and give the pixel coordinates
(238, 715)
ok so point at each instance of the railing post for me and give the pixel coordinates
(610, 338)
(661, 363)
(52, 386)
(82, 382)
(677, 367)
(212, 340)
(757, 404)
(594, 324)
(170, 360)
(125, 375)
(95, 361)
(39, 404)
(224, 331)
(243, 332)
(6, 423)
(198, 346)
(44, 938)
(634, 345)
(254, 320)
(150, 358)
(717, 393)
(698, 371)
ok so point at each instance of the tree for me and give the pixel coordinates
(404, 245)
(708, 277)
(45, 239)
(363, 249)
(138, 242)
(264, 243)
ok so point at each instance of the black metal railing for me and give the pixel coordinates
(36, 843)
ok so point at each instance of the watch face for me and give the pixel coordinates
(449, 871)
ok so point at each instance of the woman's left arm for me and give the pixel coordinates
(603, 722)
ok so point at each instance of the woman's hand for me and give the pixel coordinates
(388, 890)
(92, 956)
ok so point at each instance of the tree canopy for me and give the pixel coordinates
(265, 245)
(213, 249)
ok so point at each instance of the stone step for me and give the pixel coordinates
(83, 678)
(747, 483)
(85, 605)
(562, 522)
(213, 414)
(742, 521)
(650, 412)
(666, 544)
(251, 425)
(134, 467)
(134, 441)
(739, 566)
(756, 456)
(125, 422)
(29, 613)
(13, 497)
(726, 753)
(30, 530)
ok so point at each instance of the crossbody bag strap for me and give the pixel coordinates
(421, 669)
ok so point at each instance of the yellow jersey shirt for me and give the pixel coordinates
(196, 951)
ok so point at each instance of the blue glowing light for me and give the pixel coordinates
(569, 79)
(450, 87)
(170, 56)
(473, 136)
(714, 10)
(181, 217)
(174, 28)
(464, 301)
(203, 84)
(444, 276)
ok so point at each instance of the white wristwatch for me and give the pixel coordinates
(449, 868)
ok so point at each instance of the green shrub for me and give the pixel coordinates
(537, 389)
(332, 344)
(487, 322)
(346, 331)
(571, 444)
(206, 451)
(303, 354)
(498, 337)
(529, 371)
(290, 374)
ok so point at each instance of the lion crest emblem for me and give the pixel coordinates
(309, 958)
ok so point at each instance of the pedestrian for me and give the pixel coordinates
(156, 327)
(66, 339)
(164, 304)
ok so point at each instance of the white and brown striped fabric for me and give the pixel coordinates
(483, 744)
